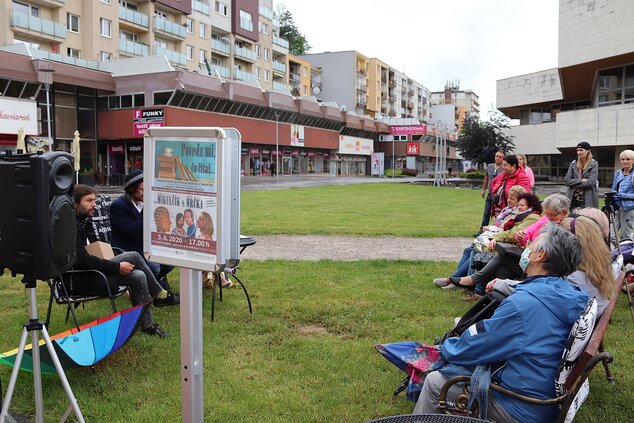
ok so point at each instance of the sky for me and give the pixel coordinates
(475, 42)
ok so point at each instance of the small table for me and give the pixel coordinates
(427, 418)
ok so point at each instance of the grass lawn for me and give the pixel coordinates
(305, 355)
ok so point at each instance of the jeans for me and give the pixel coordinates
(160, 272)
(142, 283)
(428, 400)
(486, 216)
(464, 265)
(504, 266)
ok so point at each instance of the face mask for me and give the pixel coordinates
(524, 260)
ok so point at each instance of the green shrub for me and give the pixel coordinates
(472, 174)
(393, 172)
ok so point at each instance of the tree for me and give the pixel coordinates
(296, 40)
(479, 141)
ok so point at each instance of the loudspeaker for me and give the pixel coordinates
(37, 219)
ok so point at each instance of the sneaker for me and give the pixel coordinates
(172, 299)
(441, 282)
(155, 330)
(450, 286)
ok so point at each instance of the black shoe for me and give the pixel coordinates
(170, 300)
(155, 330)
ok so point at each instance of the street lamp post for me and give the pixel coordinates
(47, 79)
(277, 146)
(393, 162)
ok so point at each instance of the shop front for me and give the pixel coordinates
(353, 156)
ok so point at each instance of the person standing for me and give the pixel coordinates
(126, 218)
(273, 168)
(624, 201)
(582, 179)
(492, 170)
(521, 158)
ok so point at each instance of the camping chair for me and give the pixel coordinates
(60, 294)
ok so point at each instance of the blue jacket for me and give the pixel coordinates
(127, 225)
(622, 184)
(526, 336)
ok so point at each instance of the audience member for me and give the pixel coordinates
(582, 179)
(492, 170)
(624, 202)
(512, 175)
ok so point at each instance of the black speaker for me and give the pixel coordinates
(37, 219)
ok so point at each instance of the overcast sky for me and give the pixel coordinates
(433, 41)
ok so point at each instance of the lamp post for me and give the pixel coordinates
(393, 162)
(277, 146)
(47, 79)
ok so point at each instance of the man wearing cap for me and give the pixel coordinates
(126, 218)
(582, 179)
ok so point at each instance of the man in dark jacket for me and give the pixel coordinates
(126, 219)
(127, 269)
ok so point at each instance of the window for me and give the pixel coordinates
(73, 52)
(26, 9)
(106, 1)
(221, 9)
(264, 28)
(160, 14)
(104, 56)
(128, 5)
(203, 30)
(189, 51)
(305, 68)
(258, 51)
(246, 21)
(72, 22)
(267, 54)
(158, 43)
(190, 26)
(203, 56)
(106, 27)
(257, 73)
(305, 90)
(267, 75)
(128, 36)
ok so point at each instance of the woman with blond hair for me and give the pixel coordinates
(624, 201)
(521, 158)
(582, 179)
(205, 225)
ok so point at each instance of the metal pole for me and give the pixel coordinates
(277, 147)
(436, 156)
(48, 117)
(393, 162)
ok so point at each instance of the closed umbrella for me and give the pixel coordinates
(75, 152)
(21, 144)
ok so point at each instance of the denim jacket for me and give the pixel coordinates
(622, 184)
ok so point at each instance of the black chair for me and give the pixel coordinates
(427, 418)
(61, 295)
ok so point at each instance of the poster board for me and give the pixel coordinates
(192, 196)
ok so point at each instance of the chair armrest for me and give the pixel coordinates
(97, 274)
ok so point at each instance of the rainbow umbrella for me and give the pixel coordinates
(83, 347)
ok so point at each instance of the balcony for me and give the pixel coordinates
(169, 29)
(172, 56)
(410, 104)
(392, 83)
(361, 71)
(279, 67)
(50, 3)
(280, 45)
(242, 75)
(220, 47)
(38, 27)
(199, 6)
(130, 48)
(278, 86)
(391, 99)
(361, 104)
(41, 54)
(266, 12)
(134, 17)
(294, 77)
(362, 88)
(245, 54)
(222, 71)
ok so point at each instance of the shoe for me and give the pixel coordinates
(450, 286)
(472, 297)
(441, 282)
(456, 281)
(629, 285)
(155, 330)
(172, 299)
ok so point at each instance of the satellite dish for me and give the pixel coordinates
(316, 90)
(342, 108)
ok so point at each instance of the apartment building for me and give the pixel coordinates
(465, 102)
(589, 96)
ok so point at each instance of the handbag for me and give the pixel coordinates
(481, 259)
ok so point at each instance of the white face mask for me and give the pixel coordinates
(524, 260)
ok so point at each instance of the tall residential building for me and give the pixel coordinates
(466, 102)
(369, 86)
(232, 39)
(589, 96)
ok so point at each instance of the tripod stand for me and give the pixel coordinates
(35, 326)
(608, 209)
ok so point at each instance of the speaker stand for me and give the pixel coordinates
(35, 326)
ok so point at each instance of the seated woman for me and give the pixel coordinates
(508, 213)
(506, 266)
(555, 209)
(594, 273)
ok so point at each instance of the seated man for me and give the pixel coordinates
(524, 339)
(126, 218)
(128, 269)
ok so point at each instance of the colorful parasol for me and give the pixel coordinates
(85, 347)
(76, 155)
(21, 146)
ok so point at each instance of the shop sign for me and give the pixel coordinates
(412, 148)
(295, 153)
(297, 135)
(16, 114)
(312, 154)
(354, 145)
(144, 119)
(117, 149)
(135, 148)
(277, 153)
(287, 153)
(244, 151)
(266, 152)
(254, 151)
(302, 153)
(326, 155)
(408, 130)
